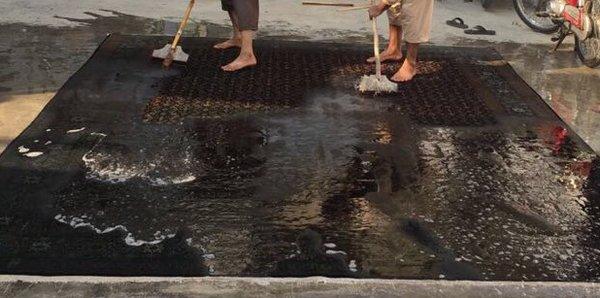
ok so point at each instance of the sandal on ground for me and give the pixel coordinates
(479, 30)
(457, 22)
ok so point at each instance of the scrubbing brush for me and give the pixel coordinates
(377, 83)
(173, 52)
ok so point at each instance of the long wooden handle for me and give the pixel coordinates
(327, 4)
(376, 47)
(366, 6)
(184, 22)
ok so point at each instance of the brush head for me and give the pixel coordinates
(169, 55)
(376, 84)
(168, 60)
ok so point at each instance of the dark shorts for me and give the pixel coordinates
(246, 10)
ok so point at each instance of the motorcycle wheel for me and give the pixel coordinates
(589, 50)
(526, 9)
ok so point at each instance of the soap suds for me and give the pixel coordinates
(33, 154)
(330, 245)
(115, 169)
(335, 252)
(352, 266)
(80, 222)
(76, 130)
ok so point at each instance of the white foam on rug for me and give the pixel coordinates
(80, 222)
(76, 130)
(107, 168)
(33, 154)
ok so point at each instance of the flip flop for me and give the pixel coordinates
(479, 30)
(457, 22)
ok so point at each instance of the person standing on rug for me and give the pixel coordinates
(244, 19)
(410, 20)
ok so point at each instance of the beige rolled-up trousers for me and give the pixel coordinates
(415, 19)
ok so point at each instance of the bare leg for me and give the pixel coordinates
(409, 67)
(393, 52)
(246, 57)
(236, 39)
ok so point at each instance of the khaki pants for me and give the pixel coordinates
(415, 19)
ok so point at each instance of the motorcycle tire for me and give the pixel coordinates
(551, 27)
(589, 57)
(589, 50)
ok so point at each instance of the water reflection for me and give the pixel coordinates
(591, 206)
(519, 209)
(567, 86)
(312, 260)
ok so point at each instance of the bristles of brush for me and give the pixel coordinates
(168, 60)
(376, 84)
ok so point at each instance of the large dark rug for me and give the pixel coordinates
(285, 170)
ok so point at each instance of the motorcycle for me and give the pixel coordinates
(578, 17)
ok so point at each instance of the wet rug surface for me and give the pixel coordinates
(285, 170)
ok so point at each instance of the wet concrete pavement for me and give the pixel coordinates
(497, 225)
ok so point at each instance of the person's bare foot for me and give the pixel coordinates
(230, 43)
(387, 55)
(242, 61)
(406, 72)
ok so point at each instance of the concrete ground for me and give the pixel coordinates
(47, 41)
(23, 286)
